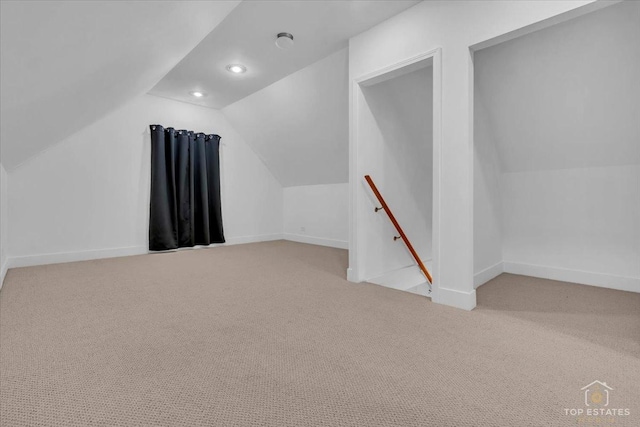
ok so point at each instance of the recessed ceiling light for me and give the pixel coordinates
(198, 94)
(236, 68)
(284, 40)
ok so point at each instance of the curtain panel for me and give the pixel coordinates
(185, 206)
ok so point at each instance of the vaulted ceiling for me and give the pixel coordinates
(65, 64)
(299, 126)
(291, 106)
(247, 36)
(566, 96)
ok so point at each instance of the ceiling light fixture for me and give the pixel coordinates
(284, 40)
(236, 68)
(197, 94)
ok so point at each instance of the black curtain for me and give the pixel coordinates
(185, 189)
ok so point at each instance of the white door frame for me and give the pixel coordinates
(355, 273)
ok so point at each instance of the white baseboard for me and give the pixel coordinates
(3, 271)
(60, 257)
(341, 244)
(352, 276)
(622, 283)
(251, 239)
(454, 298)
(487, 274)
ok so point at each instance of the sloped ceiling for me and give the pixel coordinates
(299, 125)
(64, 64)
(566, 96)
(247, 36)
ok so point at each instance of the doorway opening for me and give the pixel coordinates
(397, 138)
(556, 158)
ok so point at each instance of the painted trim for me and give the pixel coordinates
(396, 66)
(355, 273)
(489, 273)
(3, 271)
(251, 239)
(312, 240)
(546, 23)
(437, 170)
(455, 298)
(609, 281)
(61, 257)
(407, 66)
(470, 216)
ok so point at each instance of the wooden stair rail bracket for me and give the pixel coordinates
(403, 236)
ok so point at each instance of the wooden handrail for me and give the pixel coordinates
(403, 236)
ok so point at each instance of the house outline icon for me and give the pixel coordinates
(588, 389)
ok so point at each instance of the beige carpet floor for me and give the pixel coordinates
(271, 334)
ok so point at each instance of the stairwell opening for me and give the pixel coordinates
(395, 135)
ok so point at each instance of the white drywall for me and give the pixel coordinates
(557, 154)
(566, 96)
(453, 27)
(400, 113)
(580, 219)
(299, 125)
(317, 214)
(88, 197)
(66, 64)
(247, 37)
(487, 198)
(4, 222)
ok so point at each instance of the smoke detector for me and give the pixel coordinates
(284, 41)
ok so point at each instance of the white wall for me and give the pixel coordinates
(400, 113)
(487, 198)
(88, 197)
(317, 214)
(81, 60)
(453, 27)
(4, 222)
(558, 154)
(584, 222)
(299, 125)
(554, 103)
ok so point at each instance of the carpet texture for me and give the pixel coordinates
(271, 334)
